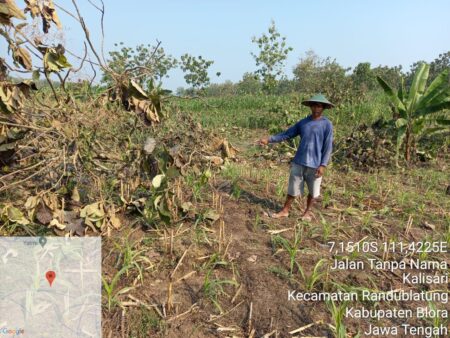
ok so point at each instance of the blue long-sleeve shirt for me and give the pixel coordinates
(316, 141)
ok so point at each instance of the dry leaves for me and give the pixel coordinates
(46, 10)
(8, 10)
(22, 57)
(13, 96)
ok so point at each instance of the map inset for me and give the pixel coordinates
(50, 287)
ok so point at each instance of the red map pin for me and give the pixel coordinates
(50, 275)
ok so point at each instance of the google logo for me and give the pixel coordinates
(15, 332)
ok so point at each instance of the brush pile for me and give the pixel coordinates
(367, 148)
(75, 167)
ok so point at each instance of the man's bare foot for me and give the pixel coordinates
(280, 214)
(307, 216)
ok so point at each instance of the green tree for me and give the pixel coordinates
(313, 74)
(143, 63)
(363, 78)
(418, 109)
(392, 75)
(196, 71)
(273, 52)
(306, 73)
(441, 63)
(226, 88)
(250, 84)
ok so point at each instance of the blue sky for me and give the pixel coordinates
(382, 32)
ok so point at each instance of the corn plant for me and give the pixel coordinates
(110, 289)
(338, 314)
(327, 228)
(316, 275)
(213, 288)
(133, 258)
(291, 247)
(436, 321)
(417, 110)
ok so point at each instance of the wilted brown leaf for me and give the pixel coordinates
(46, 10)
(31, 204)
(146, 108)
(8, 10)
(216, 160)
(113, 219)
(43, 214)
(51, 201)
(12, 96)
(211, 215)
(32, 7)
(76, 226)
(3, 70)
(56, 223)
(136, 90)
(48, 15)
(75, 195)
(74, 223)
(23, 57)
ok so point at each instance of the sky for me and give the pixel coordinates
(381, 32)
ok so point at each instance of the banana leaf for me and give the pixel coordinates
(392, 95)
(438, 87)
(433, 108)
(418, 85)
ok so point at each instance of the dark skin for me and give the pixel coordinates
(316, 113)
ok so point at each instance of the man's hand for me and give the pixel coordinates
(264, 141)
(320, 171)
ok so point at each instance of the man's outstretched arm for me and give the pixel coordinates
(285, 135)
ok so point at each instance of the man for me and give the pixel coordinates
(312, 156)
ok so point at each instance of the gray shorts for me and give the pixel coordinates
(297, 178)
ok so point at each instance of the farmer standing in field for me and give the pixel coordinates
(312, 156)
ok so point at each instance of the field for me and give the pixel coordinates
(231, 277)
(181, 189)
(209, 262)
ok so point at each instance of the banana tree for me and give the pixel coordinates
(422, 110)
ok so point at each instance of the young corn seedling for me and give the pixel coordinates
(133, 258)
(438, 320)
(213, 288)
(326, 227)
(316, 275)
(290, 247)
(110, 289)
(337, 314)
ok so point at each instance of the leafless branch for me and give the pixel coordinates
(80, 58)
(95, 75)
(51, 86)
(87, 35)
(102, 11)
(67, 12)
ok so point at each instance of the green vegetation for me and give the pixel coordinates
(273, 51)
(418, 110)
(291, 247)
(337, 312)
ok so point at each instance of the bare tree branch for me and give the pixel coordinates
(102, 11)
(87, 35)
